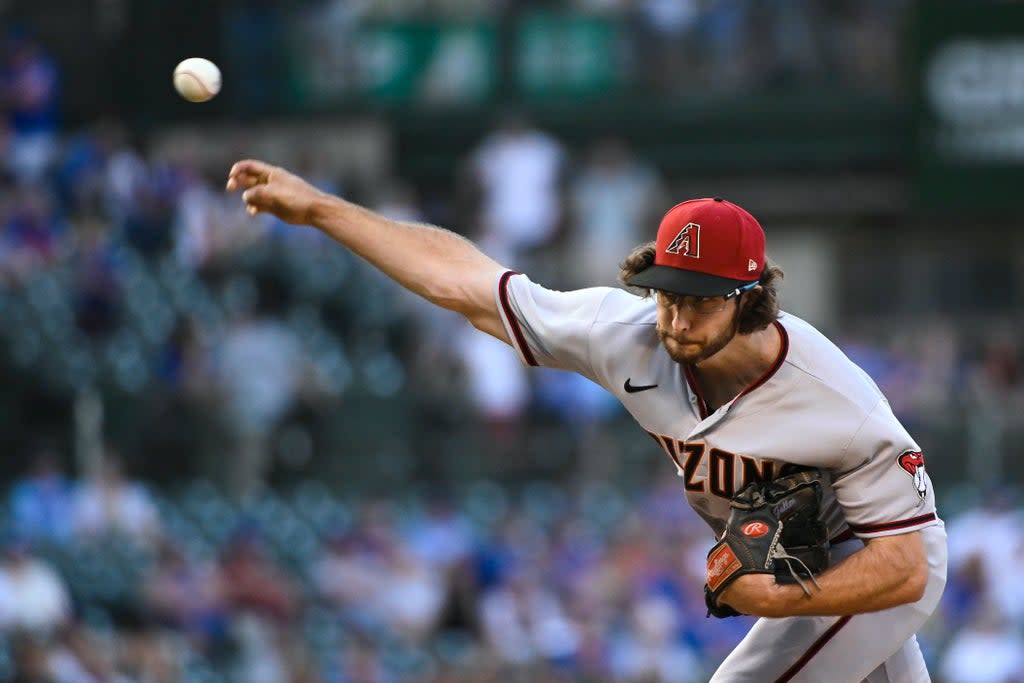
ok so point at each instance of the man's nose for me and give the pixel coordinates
(681, 318)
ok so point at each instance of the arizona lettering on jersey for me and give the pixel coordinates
(723, 473)
(609, 336)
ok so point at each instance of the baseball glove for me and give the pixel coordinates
(773, 528)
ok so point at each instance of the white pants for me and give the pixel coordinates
(876, 647)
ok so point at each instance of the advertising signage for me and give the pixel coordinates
(970, 104)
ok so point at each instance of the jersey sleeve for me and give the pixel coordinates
(549, 328)
(882, 485)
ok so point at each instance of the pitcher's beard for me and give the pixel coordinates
(692, 354)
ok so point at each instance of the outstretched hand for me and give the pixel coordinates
(271, 189)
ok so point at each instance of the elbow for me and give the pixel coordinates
(907, 561)
(921, 584)
(914, 583)
(444, 296)
(915, 589)
(460, 297)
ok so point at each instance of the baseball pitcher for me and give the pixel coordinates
(823, 512)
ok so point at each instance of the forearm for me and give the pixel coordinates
(439, 265)
(887, 572)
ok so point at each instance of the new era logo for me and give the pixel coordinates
(751, 265)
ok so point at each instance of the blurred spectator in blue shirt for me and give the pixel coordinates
(81, 177)
(31, 94)
(977, 567)
(41, 500)
(96, 299)
(31, 234)
(442, 536)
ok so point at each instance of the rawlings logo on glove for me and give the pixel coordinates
(722, 563)
(773, 528)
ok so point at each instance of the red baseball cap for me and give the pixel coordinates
(705, 247)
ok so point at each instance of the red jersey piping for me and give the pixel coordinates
(893, 526)
(517, 331)
(812, 650)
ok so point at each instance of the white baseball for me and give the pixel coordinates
(197, 79)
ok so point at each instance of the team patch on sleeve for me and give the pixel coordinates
(913, 463)
(722, 564)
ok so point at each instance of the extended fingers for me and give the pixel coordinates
(248, 173)
(242, 182)
(254, 195)
(251, 167)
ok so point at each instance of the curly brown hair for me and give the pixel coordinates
(760, 305)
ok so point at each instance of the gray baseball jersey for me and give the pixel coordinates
(812, 407)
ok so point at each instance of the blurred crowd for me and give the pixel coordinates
(107, 579)
(480, 584)
(125, 270)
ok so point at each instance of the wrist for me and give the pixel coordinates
(318, 210)
(783, 600)
(776, 600)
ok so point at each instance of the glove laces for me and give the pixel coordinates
(781, 554)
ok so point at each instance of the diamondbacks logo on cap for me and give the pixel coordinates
(687, 242)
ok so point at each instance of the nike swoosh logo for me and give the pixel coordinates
(632, 389)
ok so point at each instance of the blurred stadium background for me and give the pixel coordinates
(234, 453)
